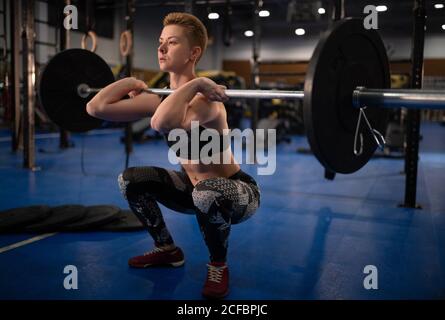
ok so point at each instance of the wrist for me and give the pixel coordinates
(198, 83)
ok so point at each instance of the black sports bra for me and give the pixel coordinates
(223, 144)
(186, 144)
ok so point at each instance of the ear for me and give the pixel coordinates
(196, 52)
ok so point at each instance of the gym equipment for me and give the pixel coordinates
(348, 73)
(90, 34)
(68, 218)
(125, 43)
(15, 219)
(125, 221)
(58, 83)
(59, 216)
(95, 216)
(346, 57)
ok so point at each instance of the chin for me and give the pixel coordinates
(164, 68)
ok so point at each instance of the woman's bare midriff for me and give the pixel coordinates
(198, 172)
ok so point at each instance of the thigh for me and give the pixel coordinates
(171, 188)
(235, 197)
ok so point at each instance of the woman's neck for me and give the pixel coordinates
(178, 79)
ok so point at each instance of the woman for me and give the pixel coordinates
(219, 194)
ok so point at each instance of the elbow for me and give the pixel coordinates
(159, 125)
(93, 109)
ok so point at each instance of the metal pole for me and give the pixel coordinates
(84, 91)
(90, 16)
(398, 98)
(65, 36)
(255, 60)
(15, 72)
(189, 6)
(338, 12)
(129, 17)
(64, 44)
(28, 36)
(413, 116)
(362, 97)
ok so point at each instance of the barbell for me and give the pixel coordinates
(85, 90)
(409, 98)
(347, 82)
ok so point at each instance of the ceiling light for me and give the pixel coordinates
(248, 33)
(213, 16)
(381, 8)
(300, 31)
(321, 11)
(264, 13)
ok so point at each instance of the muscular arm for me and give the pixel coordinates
(109, 103)
(184, 106)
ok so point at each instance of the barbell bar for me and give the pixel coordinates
(84, 91)
(396, 98)
(345, 98)
(362, 97)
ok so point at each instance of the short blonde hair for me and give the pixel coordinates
(195, 29)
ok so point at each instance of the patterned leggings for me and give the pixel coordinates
(217, 202)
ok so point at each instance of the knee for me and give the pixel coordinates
(125, 179)
(135, 180)
(123, 183)
(128, 174)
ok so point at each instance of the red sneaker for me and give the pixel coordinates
(217, 283)
(158, 257)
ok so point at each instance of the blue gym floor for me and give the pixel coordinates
(310, 239)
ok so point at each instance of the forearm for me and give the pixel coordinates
(109, 103)
(171, 112)
(110, 94)
(123, 110)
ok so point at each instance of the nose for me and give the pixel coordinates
(162, 48)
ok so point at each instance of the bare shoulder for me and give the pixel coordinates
(201, 101)
(219, 120)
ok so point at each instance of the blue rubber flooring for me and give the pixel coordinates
(310, 239)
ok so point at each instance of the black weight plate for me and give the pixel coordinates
(14, 219)
(95, 217)
(58, 84)
(346, 57)
(126, 221)
(59, 216)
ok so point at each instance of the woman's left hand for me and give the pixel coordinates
(211, 90)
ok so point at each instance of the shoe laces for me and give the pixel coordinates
(215, 273)
(155, 250)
